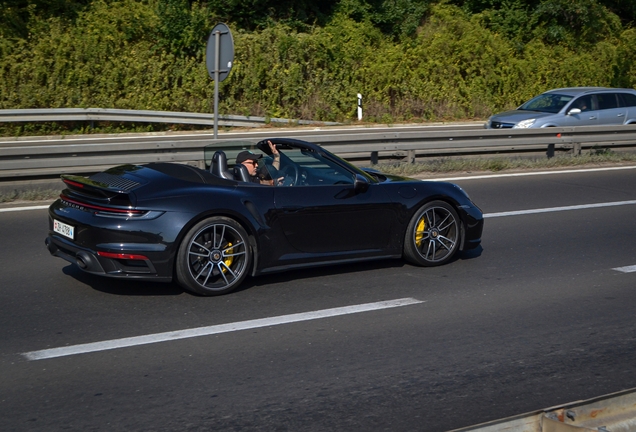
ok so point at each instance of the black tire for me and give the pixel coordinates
(433, 235)
(214, 257)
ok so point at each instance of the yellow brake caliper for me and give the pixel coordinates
(228, 260)
(419, 232)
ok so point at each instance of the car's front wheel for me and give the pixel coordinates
(433, 235)
(214, 257)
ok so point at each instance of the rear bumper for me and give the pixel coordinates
(91, 262)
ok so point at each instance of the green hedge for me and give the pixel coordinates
(116, 55)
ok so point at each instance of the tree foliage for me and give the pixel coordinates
(411, 60)
(16, 14)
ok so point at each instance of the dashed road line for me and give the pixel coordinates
(532, 173)
(627, 269)
(558, 209)
(216, 329)
(12, 209)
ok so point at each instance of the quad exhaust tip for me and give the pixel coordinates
(84, 260)
(80, 262)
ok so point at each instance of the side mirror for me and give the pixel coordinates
(574, 111)
(360, 184)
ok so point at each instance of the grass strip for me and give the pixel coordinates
(501, 164)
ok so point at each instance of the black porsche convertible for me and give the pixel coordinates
(210, 228)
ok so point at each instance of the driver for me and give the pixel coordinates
(250, 160)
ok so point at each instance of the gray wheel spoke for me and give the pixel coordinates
(209, 274)
(438, 240)
(450, 224)
(221, 237)
(203, 269)
(223, 273)
(430, 221)
(217, 256)
(234, 246)
(431, 245)
(227, 255)
(229, 270)
(441, 240)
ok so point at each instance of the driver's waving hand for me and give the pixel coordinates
(275, 155)
(265, 173)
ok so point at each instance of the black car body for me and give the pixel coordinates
(209, 229)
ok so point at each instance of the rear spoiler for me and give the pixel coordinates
(93, 190)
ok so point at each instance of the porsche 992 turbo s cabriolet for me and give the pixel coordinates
(209, 229)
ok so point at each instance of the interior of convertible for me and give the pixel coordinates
(297, 166)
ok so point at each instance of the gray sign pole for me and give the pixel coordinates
(219, 55)
(217, 60)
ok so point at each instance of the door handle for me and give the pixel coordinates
(621, 115)
(592, 117)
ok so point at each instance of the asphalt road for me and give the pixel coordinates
(537, 318)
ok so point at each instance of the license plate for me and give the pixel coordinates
(64, 229)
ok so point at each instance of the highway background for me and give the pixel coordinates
(539, 317)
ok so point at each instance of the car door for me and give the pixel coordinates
(609, 111)
(588, 115)
(628, 101)
(332, 219)
(323, 213)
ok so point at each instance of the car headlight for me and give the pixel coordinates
(524, 124)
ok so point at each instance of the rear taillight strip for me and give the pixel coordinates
(122, 256)
(101, 208)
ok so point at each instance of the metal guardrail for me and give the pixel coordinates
(610, 413)
(51, 156)
(122, 115)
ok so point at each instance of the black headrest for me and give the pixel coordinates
(241, 173)
(219, 166)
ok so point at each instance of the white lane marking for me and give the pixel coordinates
(216, 329)
(11, 209)
(627, 269)
(522, 174)
(557, 209)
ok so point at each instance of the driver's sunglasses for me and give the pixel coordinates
(252, 162)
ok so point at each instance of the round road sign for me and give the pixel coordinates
(219, 51)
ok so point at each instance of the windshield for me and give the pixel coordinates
(550, 103)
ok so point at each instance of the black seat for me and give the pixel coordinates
(241, 173)
(219, 166)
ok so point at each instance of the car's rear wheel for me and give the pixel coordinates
(214, 257)
(433, 235)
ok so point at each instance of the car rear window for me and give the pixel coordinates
(627, 99)
(607, 100)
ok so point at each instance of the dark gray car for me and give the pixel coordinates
(574, 106)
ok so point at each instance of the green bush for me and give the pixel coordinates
(131, 54)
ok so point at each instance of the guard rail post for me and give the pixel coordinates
(550, 152)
